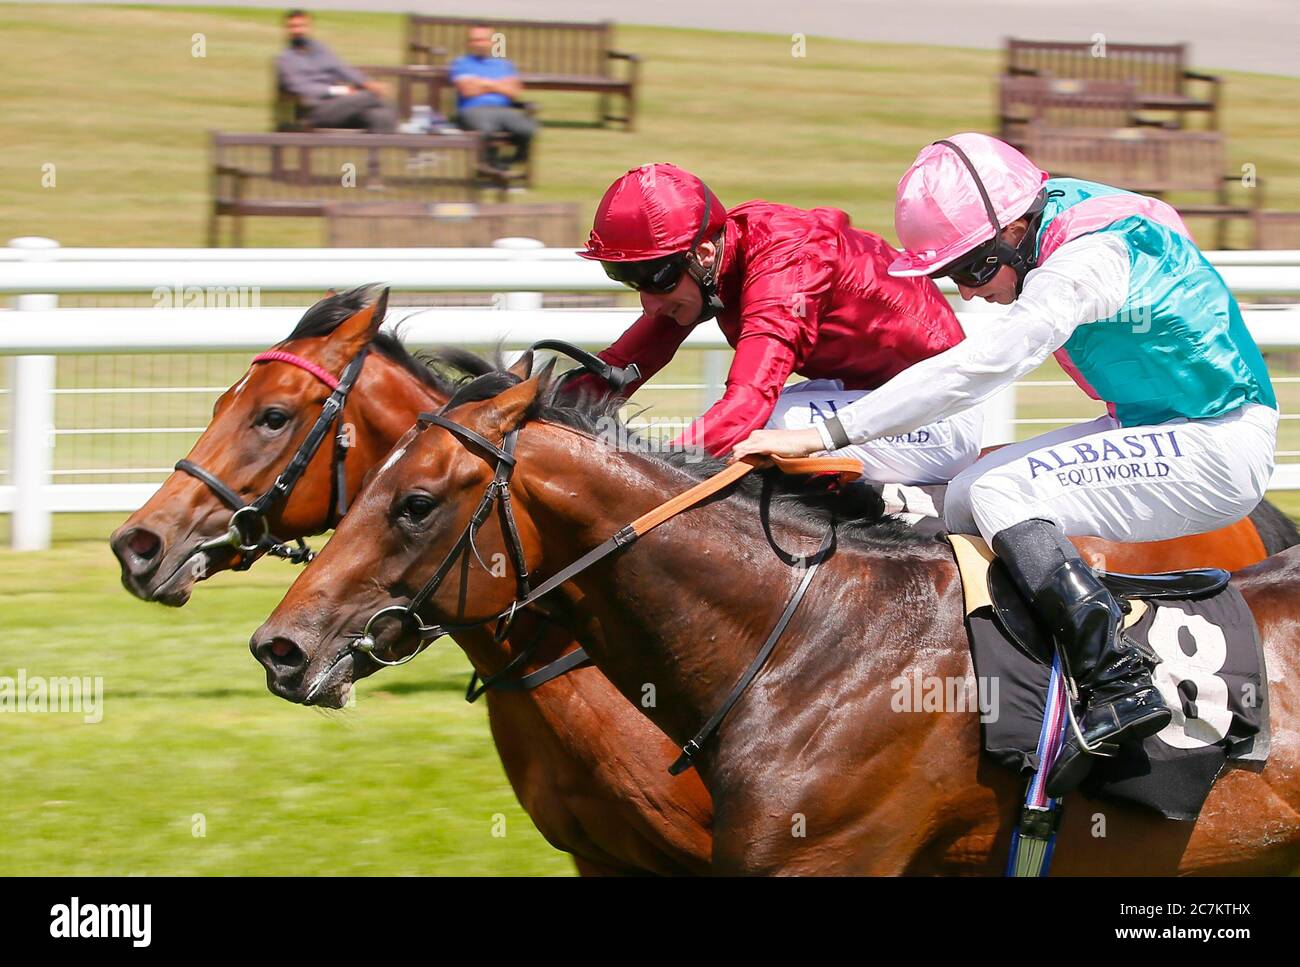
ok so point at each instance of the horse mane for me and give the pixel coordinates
(857, 510)
(443, 370)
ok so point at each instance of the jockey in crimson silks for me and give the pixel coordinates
(1112, 283)
(793, 291)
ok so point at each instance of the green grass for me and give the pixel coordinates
(408, 781)
(114, 99)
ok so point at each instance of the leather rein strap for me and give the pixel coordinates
(692, 748)
(842, 466)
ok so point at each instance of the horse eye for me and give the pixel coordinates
(273, 419)
(418, 506)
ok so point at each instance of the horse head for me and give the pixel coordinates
(200, 520)
(434, 507)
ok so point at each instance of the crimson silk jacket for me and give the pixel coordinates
(804, 292)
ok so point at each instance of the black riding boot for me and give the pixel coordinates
(1117, 700)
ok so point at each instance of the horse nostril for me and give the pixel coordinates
(281, 656)
(144, 545)
(139, 550)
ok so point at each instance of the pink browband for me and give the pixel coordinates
(279, 356)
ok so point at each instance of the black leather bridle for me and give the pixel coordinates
(618, 378)
(497, 494)
(249, 530)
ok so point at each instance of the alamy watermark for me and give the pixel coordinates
(651, 435)
(207, 297)
(76, 920)
(917, 692)
(82, 695)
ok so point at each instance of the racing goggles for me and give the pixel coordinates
(976, 268)
(658, 276)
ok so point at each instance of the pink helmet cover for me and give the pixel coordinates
(939, 214)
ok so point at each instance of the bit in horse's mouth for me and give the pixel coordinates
(325, 677)
(181, 595)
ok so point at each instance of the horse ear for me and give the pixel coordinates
(380, 310)
(355, 332)
(523, 366)
(363, 324)
(508, 409)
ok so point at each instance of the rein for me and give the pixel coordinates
(498, 493)
(249, 531)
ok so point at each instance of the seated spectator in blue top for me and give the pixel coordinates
(332, 94)
(487, 92)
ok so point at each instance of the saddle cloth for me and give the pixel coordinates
(1211, 672)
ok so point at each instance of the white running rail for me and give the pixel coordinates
(35, 332)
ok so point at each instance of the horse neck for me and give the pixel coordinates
(677, 616)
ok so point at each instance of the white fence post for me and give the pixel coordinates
(31, 414)
(523, 249)
(999, 418)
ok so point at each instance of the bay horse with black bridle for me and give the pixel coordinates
(587, 768)
(811, 771)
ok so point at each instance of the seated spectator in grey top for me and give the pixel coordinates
(332, 94)
(487, 90)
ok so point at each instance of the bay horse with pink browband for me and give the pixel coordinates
(588, 769)
(812, 771)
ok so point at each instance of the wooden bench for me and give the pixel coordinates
(1159, 71)
(1277, 230)
(1149, 160)
(413, 85)
(299, 174)
(550, 56)
(1057, 103)
(449, 224)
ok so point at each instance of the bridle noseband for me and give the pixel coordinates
(249, 530)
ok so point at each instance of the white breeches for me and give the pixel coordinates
(931, 454)
(1142, 483)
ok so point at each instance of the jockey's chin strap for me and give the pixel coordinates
(498, 493)
(707, 279)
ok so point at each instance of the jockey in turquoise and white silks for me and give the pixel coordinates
(1111, 282)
